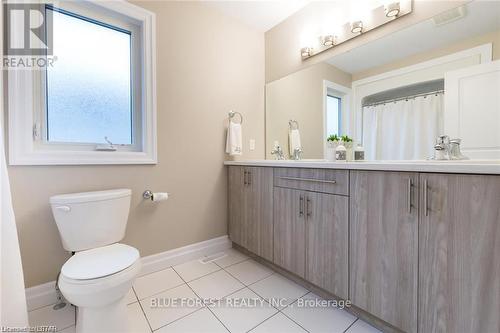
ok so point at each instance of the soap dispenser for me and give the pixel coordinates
(359, 153)
(341, 153)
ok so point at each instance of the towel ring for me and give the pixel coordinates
(232, 114)
(293, 124)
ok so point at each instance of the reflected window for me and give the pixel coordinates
(333, 115)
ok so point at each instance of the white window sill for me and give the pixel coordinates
(83, 158)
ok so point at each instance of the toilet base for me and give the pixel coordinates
(111, 318)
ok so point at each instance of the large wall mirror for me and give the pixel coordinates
(397, 94)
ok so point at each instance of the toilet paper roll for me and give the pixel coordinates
(160, 196)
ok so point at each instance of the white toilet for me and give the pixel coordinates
(99, 275)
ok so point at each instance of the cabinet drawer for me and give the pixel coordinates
(317, 180)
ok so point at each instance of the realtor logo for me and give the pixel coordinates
(29, 29)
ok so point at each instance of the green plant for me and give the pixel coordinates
(345, 138)
(333, 137)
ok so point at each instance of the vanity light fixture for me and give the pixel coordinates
(329, 40)
(357, 27)
(392, 9)
(386, 12)
(306, 52)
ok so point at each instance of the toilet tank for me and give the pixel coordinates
(91, 219)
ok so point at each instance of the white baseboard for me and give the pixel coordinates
(180, 255)
(41, 295)
(45, 294)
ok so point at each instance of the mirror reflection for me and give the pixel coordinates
(430, 91)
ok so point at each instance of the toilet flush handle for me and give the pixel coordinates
(63, 208)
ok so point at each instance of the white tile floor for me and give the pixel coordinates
(249, 293)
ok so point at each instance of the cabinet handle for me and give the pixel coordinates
(309, 211)
(313, 180)
(301, 206)
(408, 203)
(245, 178)
(426, 207)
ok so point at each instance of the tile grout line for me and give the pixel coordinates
(236, 291)
(184, 283)
(179, 276)
(143, 312)
(262, 322)
(173, 321)
(248, 285)
(245, 286)
(162, 291)
(349, 327)
(199, 277)
(140, 304)
(284, 314)
(227, 329)
(289, 305)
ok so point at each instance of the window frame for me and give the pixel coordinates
(332, 94)
(344, 94)
(28, 143)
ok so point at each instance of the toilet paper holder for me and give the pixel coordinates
(148, 195)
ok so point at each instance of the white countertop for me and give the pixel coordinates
(466, 166)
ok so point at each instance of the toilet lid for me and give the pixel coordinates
(99, 262)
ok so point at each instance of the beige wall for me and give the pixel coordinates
(492, 37)
(299, 96)
(207, 64)
(283, 41)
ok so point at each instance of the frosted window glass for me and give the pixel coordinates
(333, 115)
(89, 86)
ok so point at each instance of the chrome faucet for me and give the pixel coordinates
(446, 149)
(442, 148)
(278, 152)
(297, 152)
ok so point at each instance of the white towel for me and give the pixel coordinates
(234, 139)
(294, 140)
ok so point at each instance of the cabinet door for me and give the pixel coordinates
(327, 241)
(384, 246)
(289, 230)
(459, 265)
(258, 212)
(236, 184)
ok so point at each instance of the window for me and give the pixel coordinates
(89, 91)
(333, 115)
(96, 104)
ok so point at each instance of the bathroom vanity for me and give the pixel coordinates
(414, 246)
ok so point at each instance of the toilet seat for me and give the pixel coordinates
(100, 262)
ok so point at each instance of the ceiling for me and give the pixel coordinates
(259, 14)
(481, 17)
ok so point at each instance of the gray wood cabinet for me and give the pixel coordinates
(310, 237)
(384, 245)
(236, 186)
(250, 201)
(459, 260)
(289, 230)
(420, 251)
(315, 180)
(327, 242)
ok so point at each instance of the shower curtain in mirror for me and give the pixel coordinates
(13, 298)
(403, 130)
